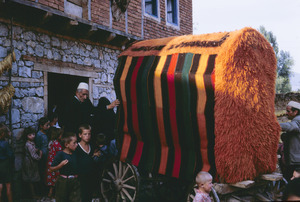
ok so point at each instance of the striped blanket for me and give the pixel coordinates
(194, 103)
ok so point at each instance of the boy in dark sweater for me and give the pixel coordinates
(67, 185)
(86, 164)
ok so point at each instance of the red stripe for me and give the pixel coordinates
(135, 121)
(138, 153)
(173, 121)
(163, 142)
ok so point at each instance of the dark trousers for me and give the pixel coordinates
(67, 190)
(87, 187)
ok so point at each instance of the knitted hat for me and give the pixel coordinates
(83, 85)
(294, 104)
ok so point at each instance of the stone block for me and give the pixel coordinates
(40, 91)
(55, 42)
(37, 74)
(29, 63)
(33, 105)
(19, 93)
(56, 56)
(24, 84)
(3, 52)
(31, 44)
(64, 45)
(29, 36)
(39, 50)
(25, 72)
(17, 103)
(3, 30)
(14, 69)
(15, 116)
(94, 53)
(21, 46)
(45, 38)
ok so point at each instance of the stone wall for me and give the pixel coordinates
(28, 101)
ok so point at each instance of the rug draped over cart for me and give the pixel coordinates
(199, 102)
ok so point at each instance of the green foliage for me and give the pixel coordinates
(284, 63)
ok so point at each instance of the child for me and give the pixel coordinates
(41, 142)
(54, 146)
(67, 185)
(86, 163)
(103, 151)
(53, 118)
(30, 171)
(6, 161)
(296, 173)
(204, 183)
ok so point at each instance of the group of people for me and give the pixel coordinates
(66, 160)
(63, 160)
(290, 161)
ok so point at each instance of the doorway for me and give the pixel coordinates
(61, 88)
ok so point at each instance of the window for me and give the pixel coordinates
(172, 12)
(151, 7)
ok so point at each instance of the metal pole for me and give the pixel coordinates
(9, 72)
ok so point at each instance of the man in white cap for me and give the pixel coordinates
(291, 138)
(79, 110)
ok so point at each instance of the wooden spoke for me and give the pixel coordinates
(128, 179)
(127, 194)
(116, 170)
(120, 169)
(106, 180)
(111, 175)
(119, 182)
(129, 187)
(125, 172)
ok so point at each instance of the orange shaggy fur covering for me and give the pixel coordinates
(246, 129)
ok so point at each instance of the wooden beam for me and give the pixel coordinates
(64, 70)
(20, 79)
(110, 37)
(272, 177)
(244, 184)
(48, 15)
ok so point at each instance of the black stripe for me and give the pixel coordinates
(166, 114)
(209, 112)
(152, 106)
(120, 111)
(194, 97)
(133, 143)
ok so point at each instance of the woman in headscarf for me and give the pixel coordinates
(105, 117)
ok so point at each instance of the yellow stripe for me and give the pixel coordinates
(157, 82)
(201, 99)
(123, 92)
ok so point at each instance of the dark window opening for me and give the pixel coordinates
(151, 7)
(172, 12)
(61, 88)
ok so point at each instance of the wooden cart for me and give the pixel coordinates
(193, 103)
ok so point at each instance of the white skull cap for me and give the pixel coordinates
(83, 85)
(294, 104)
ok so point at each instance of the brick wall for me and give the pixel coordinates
(152, 27)
(100, 12)
(56, 4)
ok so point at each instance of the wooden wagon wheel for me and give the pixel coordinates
(119, 182)
(192, 192)
(273, 191)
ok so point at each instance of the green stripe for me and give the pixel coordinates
(145, 118)
(191, 156)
